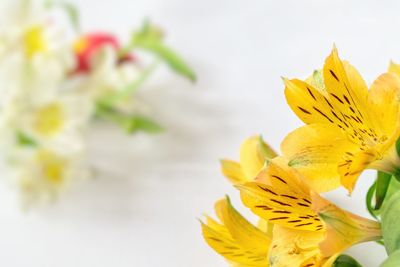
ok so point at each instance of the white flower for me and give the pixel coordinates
(42, 174)
(34, 55)
(108, 76)
(59, 123)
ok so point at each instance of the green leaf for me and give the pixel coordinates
(382, 186)
(390, 217)
(149, 31)
(130, 123)
(149, 38)
(142, 123)
(123, 93)
(368, 200)
(25, 140)
(346, 261)
(398, 146)
(393, 260)
(394, 187)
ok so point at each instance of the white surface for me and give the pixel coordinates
(142, 209)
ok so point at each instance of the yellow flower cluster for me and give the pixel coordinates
(348, 129)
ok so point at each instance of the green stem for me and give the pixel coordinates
(368, 200)
(109, 100)
(393, 260)
(382, 185)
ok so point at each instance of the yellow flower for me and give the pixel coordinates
(253, 153)
(237, 240)
(297, 248)
(348, 127)
(343, 228)
(309, 230)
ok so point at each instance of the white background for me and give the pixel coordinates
(142, 208)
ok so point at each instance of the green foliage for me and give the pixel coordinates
(149, 38)
(369, 200)
(398, 146)
(382, 186)
(25, 140)
(126, 92)
(129, 123)
(390, 218)
(346, 261)
(393, 260)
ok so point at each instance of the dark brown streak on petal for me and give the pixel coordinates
(309, 91)
(264, 207)
(279, 178)
(303, 224)
(337, 98)
(323, 114)
(329, 103)
(347, 100)
(281, 203)
(334, 75)
(304, 110)
(278, 218)
(302, 204)
(281, 211)
(288, 196)
(268, 190)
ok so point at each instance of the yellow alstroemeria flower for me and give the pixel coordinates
(236, 239)
(253, 153)
(308, 231)
(348, 127)
(343, 228)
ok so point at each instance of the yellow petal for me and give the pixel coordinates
(316, 147)
(266, 227)
(310, 104)
(253, 153)
(352, 166)
(233, 171)
(343, 229)
(384, 99)
(345, 85)
(235, 238)
(291, 248)
(283, 200)
(245, 234)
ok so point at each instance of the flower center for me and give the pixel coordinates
(34, 41)
(49, 119)
(53, 168)
(81, 45)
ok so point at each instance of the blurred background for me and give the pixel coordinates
(142, 207)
